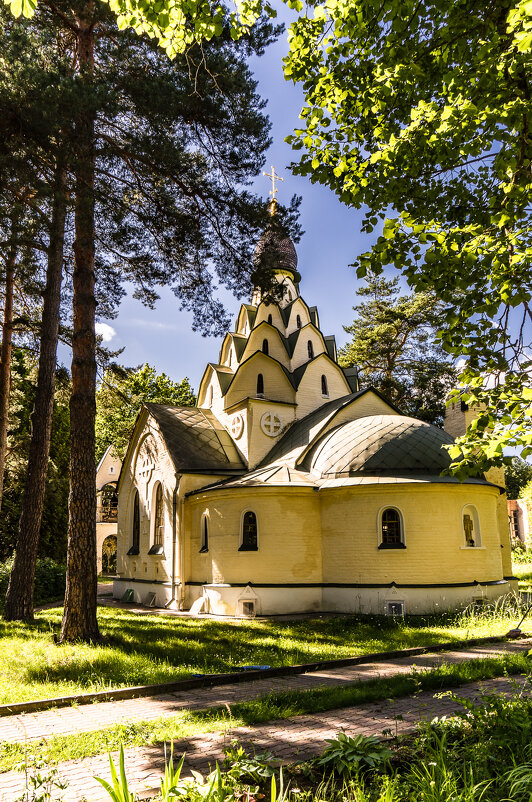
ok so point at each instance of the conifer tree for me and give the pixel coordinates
(159, 155)
(396, 349)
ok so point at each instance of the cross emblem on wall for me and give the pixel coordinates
(270, 424)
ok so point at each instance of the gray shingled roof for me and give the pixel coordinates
(272, 475)
(298, 436)
(351, 374)
(279, 249)
(380, 444)
(195, 439)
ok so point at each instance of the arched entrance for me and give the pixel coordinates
(109, 555)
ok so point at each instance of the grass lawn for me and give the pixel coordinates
(186, 724)
(523, 572)
(144, 649)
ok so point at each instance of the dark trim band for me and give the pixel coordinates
(352, 584)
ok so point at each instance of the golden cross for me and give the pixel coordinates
(273, 191)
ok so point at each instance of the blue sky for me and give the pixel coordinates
(163, 336)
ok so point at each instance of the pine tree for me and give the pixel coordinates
(159, 155)
(396, 350)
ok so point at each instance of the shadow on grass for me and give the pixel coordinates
(140, 650)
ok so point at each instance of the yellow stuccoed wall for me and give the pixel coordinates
(270, 309)
(276, 383)
(289, 536)
(300, 355)
(299, 308)
(276, 348)
(309, 391)
(432, 516)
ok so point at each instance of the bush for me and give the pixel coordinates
(50, 580)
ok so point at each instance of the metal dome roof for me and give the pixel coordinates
(277, 250)
(381, 445)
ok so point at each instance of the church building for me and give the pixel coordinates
(290, 489)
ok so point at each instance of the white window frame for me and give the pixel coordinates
(205, 519)
(241, 530)
(385, 546)
(153, 520)
(477, 532)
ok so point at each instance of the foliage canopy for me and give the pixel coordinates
(424, 109)
(120, 397)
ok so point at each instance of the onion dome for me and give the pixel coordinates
(385, 445)
(276, 251)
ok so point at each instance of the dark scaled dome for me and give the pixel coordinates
(385, 445)
(275, 250)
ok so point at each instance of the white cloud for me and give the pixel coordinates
(153, 324)
(105, 331)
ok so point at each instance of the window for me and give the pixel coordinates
(204, 534)
(470, 526)
(289, 295)
(298, 321)
(249, 532)
(158, 523)
(391, 529)
(270, 319)
(265, 347)
(112, 469)
(209, 403)
(260, 384)
(135, 545)
(324, 387)
(310, 349)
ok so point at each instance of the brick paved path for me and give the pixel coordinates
(68, 720)
(297, 738)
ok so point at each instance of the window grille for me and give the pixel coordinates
(391, 527)
(249, 532)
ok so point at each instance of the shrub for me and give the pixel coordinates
(50, 579)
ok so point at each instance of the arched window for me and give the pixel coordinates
(270, 318)
(391, 526)
(289, 296)
(204, 534)
(107, 511)
(260, 384)
(249, 532)
(210, 396)
(135, 539)
(471, 528)
(324, 387)
(265, 347)
(158, 522)
(310, 349)
(298, 321)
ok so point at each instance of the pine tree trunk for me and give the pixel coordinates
(19, 599)
(79, 617)
(5, 358)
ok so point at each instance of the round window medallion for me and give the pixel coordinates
(270, 423)
(237, 426)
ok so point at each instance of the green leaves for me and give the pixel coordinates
(348, 756)
(25, 8)
(175, 24)
(435, 141)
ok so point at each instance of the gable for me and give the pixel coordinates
(301, 435)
